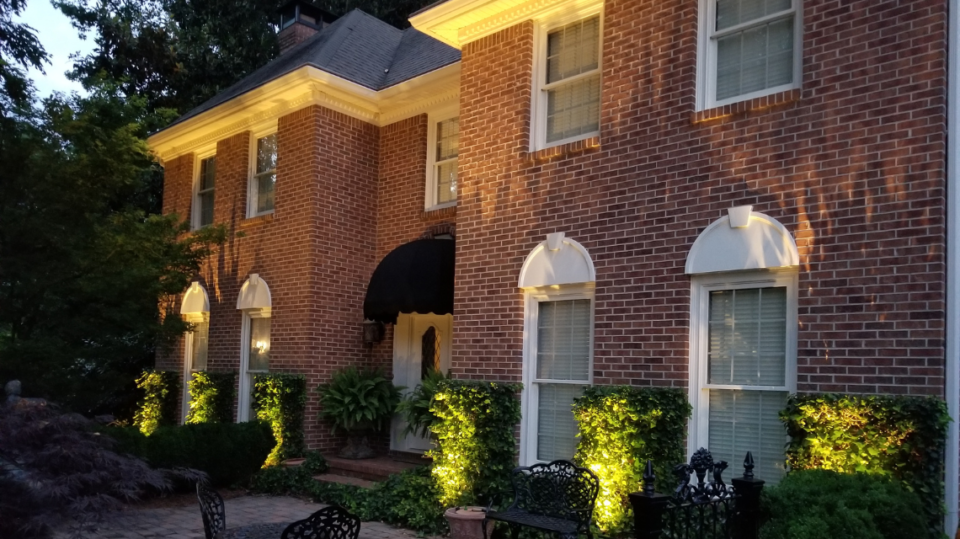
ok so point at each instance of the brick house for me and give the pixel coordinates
(740, 198)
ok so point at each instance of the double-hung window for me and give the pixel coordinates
(745, 364)
(443, 148)
(264, 178)
(559, 366)
(203, 199)
(567, 100)
(748, 48)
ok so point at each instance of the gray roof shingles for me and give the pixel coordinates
(356, 47)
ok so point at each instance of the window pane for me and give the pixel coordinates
(267, 153)
(447, 182)
(742, 421)
(206, 208)
(747, 341)
(199, 353)
(563, 340)
(556, 427)
(754, 59)
(259, 344)
(734, 12)
(573, 49)
(265, 185)
(208, 171)
(448, 139)
(573, 109)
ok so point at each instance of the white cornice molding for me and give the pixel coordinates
(458, 22)
(302, 88)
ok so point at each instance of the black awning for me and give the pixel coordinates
(416, 277)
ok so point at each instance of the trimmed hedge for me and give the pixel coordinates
(281, 400)
(621, 427)
(160, 405)
(899, 437)
(476, 449)
(212, 395)
(816, 504)
(228, 452)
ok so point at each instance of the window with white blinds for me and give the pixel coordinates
(198, 352)
(746, 376)
(562, 369)
(570, 83)
(444, 147)
(751, 48)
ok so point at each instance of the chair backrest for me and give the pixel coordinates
(332, 522)
(211, 509)
(558, 489)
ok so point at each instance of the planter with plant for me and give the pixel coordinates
(359, 402)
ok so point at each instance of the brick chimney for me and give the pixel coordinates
(299, 20)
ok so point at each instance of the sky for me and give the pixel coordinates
(60, 40)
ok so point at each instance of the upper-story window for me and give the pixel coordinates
(264, 177)
(567, 100)
(748, 49)
(203, 198)
(443, 148)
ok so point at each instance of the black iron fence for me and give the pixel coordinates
(709, 509)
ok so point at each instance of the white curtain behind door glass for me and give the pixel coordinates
(563, 354)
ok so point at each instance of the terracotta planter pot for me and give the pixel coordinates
(465, 522)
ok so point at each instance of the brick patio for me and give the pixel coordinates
(185, 523)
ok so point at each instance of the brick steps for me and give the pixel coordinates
(344, 480)
(375, 469)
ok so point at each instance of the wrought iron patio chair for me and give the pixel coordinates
(211, 509)
(332, 522)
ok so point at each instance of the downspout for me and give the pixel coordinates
(952, 360)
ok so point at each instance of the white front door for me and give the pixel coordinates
(419, 341)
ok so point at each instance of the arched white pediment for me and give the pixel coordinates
(255, 294)
(195, 300)
(742, 240)
(556, 261)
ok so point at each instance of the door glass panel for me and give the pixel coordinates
(429, 352)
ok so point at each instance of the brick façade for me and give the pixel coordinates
(853, 164)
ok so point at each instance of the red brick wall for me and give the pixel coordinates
(852, 165)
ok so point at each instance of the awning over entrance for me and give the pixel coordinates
(416, 277)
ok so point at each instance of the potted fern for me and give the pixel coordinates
(359, 402)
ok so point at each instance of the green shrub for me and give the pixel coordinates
(816, 504)
(212, 395)
(476, 449)
(160, 404)
(281, 400)
(898, 437)
(228, 452)
(415, 407)
(314, 463)
(621, 427)
(358, 399)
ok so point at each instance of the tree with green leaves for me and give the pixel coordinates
(19, 49)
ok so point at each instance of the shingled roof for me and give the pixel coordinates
(357, 47)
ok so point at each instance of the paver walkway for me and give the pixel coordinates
(185, 522)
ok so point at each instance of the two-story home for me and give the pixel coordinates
(742, 198)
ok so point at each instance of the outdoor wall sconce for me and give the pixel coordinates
(372, 332)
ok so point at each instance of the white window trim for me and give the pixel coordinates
(538, 106)
(252, 190)
(698, 434)
(246, 385)
(193, 318)
(195, 191)
(430, 193)
(707, 55)
(528, 400)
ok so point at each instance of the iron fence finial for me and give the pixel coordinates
(748, 466)
(649, 478)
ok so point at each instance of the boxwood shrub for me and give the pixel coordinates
(817, 504)
(228, 452)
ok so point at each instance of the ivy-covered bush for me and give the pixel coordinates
(228, 452)
(212, 395)
(817, 504)
(898, 437)
(160, 404)
(475, 445)
(281, 400)
(621, 427)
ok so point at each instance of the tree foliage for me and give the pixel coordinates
(19, 49)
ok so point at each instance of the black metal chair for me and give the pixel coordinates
(332, 522)
(211, 509)
(557, 497)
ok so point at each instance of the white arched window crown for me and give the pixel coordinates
(743, 338)
(254, 294)
(558, 280)
(195, 301)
